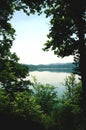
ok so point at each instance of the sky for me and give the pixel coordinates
(31, 34)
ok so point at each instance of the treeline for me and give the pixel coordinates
(52, 67)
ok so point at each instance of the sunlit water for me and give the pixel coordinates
(56, 79)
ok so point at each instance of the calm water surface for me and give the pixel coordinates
(55, 78)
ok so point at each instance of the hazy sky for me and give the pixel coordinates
(31, 34)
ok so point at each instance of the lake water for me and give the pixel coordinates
(56, 78)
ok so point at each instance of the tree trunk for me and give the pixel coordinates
(82, 54)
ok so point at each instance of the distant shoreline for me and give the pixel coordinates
(56, 67)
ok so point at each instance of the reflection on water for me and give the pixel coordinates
(55, 78)
(66, 70)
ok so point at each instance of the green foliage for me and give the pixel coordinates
(73, 90)
(63, 36)
(12, 74)
(66, 37)
(41, 105)
(68, 114)
(46, 96)
(24, 106)
(72, 98)
(71, 84)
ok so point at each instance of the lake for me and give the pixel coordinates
(55, 78)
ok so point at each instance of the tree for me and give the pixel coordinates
(71, 84)
(71, 100)
(46, 96)
(12, 74)
(67, 32)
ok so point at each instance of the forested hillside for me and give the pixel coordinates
(53, 66)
